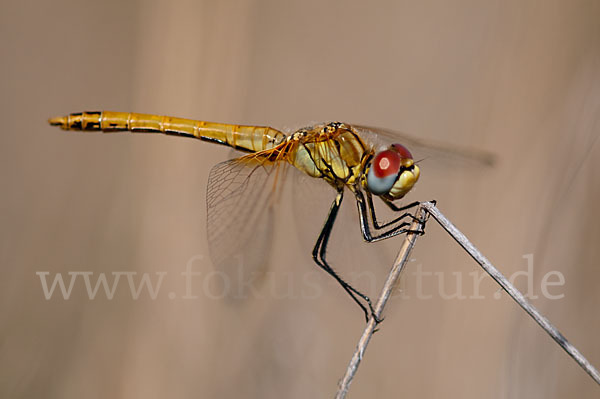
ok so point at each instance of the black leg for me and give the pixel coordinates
(399, 228)
(393, 207)
(320, 251)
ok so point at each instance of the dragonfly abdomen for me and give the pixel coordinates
(244, 138)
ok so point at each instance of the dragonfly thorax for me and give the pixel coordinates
(332, 151)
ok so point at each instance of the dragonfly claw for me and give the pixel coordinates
(377, 319)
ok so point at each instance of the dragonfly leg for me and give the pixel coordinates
(319, 253)
(393, 207)
(400, 227)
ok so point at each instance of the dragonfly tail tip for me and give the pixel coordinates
(58, 121)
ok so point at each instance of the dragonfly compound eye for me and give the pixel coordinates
(392, 172)
(402, 151)
(383, 171)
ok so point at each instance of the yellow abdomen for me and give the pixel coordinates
(245, 138)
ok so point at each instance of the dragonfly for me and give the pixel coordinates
(240, 191)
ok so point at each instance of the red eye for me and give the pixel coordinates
(403, 151)
(387, 163)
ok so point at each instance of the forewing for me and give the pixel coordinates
(439, 152)
(240, 208)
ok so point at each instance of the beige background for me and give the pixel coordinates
(519, 78)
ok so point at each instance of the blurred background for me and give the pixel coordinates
(520, 79)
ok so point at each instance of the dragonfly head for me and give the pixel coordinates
(392, 172)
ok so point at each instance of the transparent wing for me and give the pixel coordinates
(441, 152)
(311, 199)
(240, 201)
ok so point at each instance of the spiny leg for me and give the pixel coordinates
(322, 242)
(376, 223)
(364, 220)
(347, 287)
(393, 207)
(320, 250)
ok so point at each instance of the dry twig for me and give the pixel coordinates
(388, 287)
(511, 290)
(402, 258)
